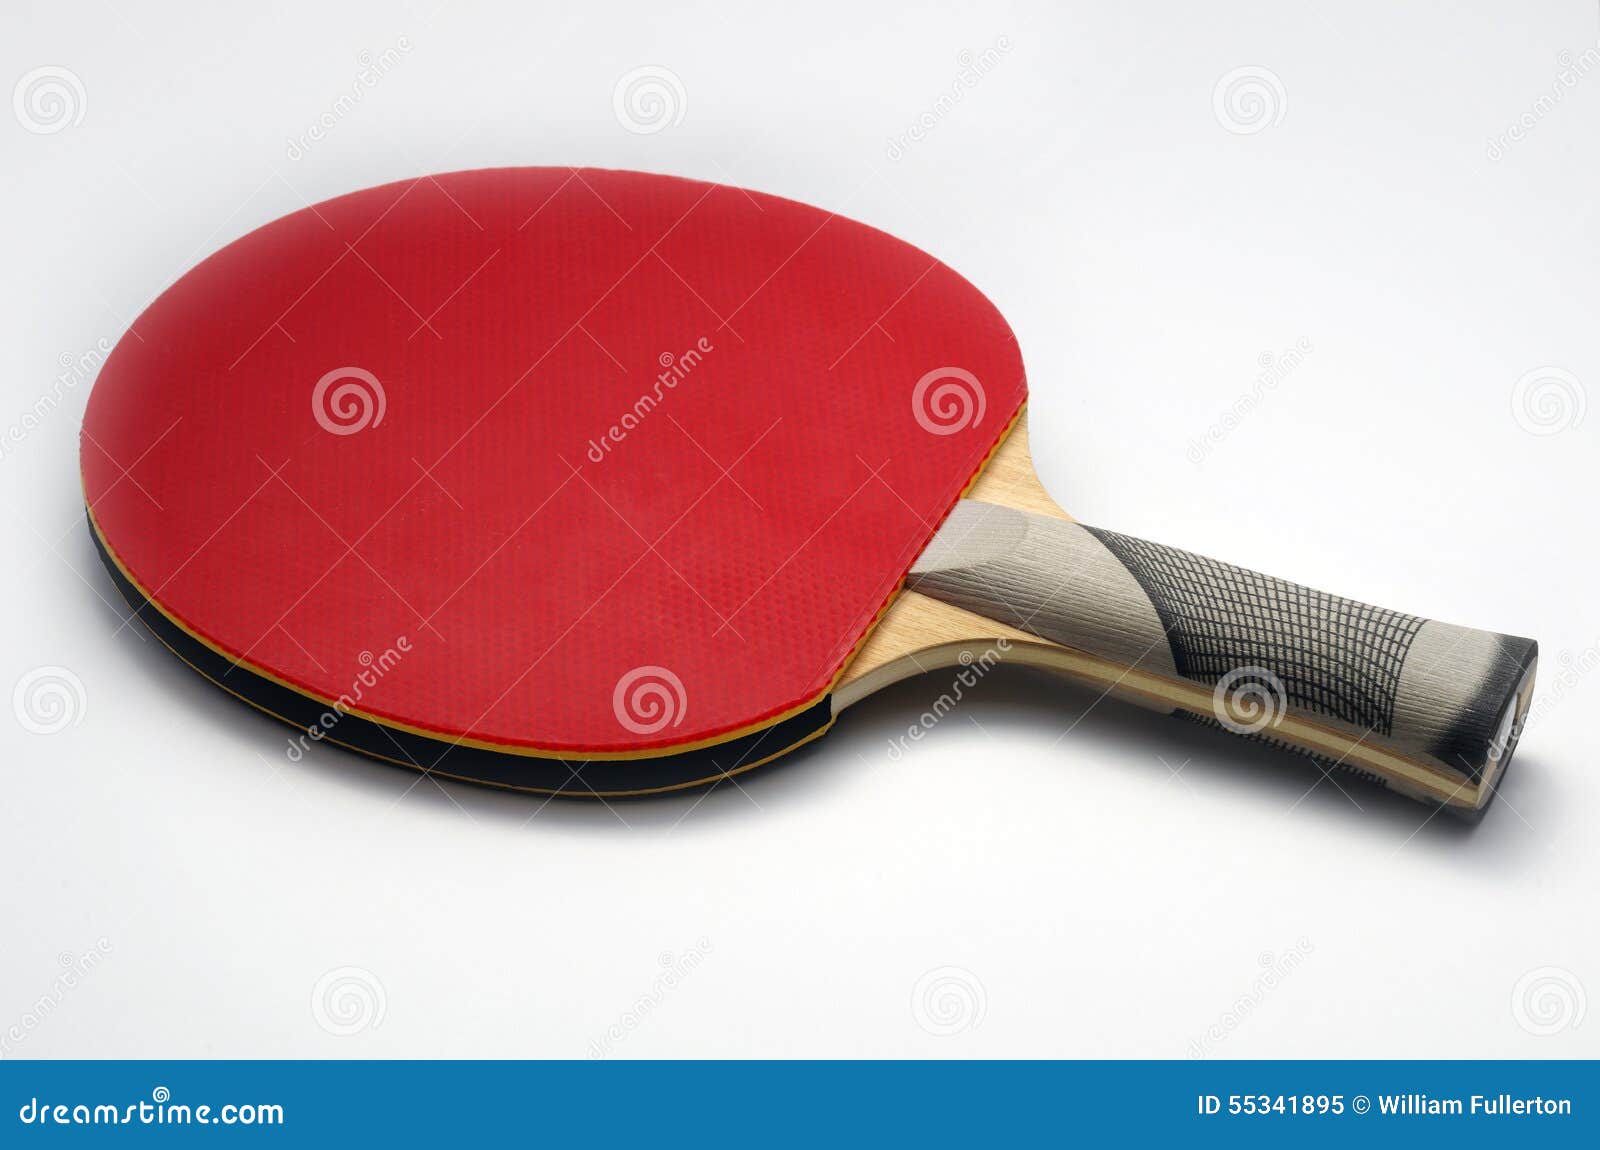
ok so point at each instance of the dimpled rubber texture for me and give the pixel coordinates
(581, 559)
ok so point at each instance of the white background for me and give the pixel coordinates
(1093, 901)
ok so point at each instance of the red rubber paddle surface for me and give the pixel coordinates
(628, 462)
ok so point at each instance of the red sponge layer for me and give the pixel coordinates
(580, 461)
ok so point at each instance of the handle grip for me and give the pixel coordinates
(1429, 709)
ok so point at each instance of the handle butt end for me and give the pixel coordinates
(1493, 747)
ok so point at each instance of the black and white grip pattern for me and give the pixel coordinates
(1378, 681)
(1331, 656)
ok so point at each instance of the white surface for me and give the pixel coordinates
(1146, 256)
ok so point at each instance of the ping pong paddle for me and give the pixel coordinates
(602, 483)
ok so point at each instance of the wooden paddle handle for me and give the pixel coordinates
(1426, 708)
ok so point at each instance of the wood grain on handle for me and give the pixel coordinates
(1428, 708)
